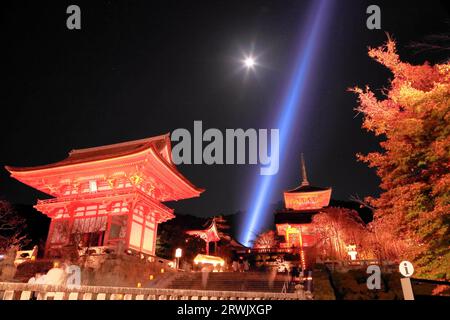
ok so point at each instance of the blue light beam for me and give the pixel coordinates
(293, 99)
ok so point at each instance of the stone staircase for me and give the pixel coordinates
(213, 281)
(229, 281)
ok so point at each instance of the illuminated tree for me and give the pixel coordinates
(413, 121)
(337, 228)
(12, 227)
(266, 240)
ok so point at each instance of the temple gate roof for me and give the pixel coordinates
(146, 163)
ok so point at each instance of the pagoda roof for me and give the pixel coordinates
(236, 244)
(307, 188)
(209, 235)
(306, 197)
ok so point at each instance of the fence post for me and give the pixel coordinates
(408, 293)
(8, 295)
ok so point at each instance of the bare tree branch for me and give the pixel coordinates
(12, 227)
(363, 203)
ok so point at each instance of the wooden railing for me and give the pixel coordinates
(24, 291)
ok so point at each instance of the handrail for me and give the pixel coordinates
(96, 195)
(87, 195)
(10, 289)
(112, 195)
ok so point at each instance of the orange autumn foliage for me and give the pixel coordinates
(413, 121)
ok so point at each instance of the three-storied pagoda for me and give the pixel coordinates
(294, 222)
(109, 196)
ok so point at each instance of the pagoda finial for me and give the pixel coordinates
(304, 176)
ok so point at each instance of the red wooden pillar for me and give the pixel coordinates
(155, 233)
(145, 217)
(49, 237)
(129, 223)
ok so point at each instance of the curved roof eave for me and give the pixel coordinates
(70, 161)
(144, 145)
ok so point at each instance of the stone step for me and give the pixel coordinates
(230, 281)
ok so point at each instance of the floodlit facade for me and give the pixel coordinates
(109, 197)
(294, 222)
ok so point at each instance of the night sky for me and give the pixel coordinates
(142, 68)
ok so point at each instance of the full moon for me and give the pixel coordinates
(249, 62)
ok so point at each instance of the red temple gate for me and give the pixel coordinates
(109, 196)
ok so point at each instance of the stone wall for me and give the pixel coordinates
(121, 270)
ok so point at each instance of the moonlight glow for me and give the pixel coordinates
(293, 99)
(249, 62)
